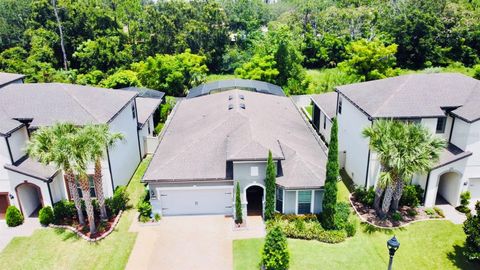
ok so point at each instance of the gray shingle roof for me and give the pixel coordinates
(204, 134)
(145, 92)
(225, 85)
(327, 102)
(416, 95)
(451, 154)
(145, 108)
(6, 78)
(8, 125)
(47, 103)
(33, 168)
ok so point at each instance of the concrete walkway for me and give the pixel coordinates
(26, 229)
(452, 214)
(189, 242)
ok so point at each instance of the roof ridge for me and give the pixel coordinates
(77, 101)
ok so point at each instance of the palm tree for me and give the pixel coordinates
(100, 139)
(403, 149)
(53, 146)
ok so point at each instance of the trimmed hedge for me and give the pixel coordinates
(308, 230)
(13, 216)
(45, 216)
(64, 210)
(118, 202)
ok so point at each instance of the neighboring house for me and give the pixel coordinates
(447, 104)
(324, 109)
(9, 78)
(214, 141)
(26, 107)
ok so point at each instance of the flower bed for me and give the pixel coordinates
(82, 231)
(403, 217)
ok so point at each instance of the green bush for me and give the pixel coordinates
(293, 217)
(238, 205)
(275, 255)
(365, 196)
(158, 128)
(439, 211)
(144, 219)
(165, 111)
(307, 229)
(397, 216)
(351, 228)
(430, 212)
(476, 74)
(157, 217)
(412, 195)
(471, 227)
(342, 212)
(145, 209)
(412, 212)
(64, 210)
(13, 216)
(118, 202)
(45, 216)
(464, 202)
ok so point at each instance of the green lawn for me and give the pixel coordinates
(218, 77)
(309, 109)
(432, 244)
(60, 249)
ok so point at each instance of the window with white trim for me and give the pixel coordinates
(254, 171)
(279, 199)
(304, 201)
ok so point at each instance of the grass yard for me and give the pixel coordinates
(61, 249)
(432, 244)
(218, 77)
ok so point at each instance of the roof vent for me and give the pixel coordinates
(242, 97)
(230, 106)
(230, 97)
(242, 105)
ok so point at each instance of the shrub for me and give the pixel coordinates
(397, 216)
(238, 205)
(144, 219)
(329, 202)
(158, 128)
(412, 212)
(365, 196)
(157, 217)
(471, 227)
(351, 228)
(464, 202)
(275, 255)
(64, 210)
(307, 229)
(165, 111)
(270, 180)
(430, 212)
(439, 211)
(13, 217)
(342, 212)
(118, 202)
(45, 216)
(412, 195)
(145, 209)
(476, 69)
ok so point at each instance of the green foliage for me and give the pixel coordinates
(270, 185)
(477, 72)
(342, 212)
(13, 217)
(118, 202)
(165, 111)
(464, 202)
(172, 74)
(370, 60)
(471, 227)
(307, 228)
(439, 211)
(157, 217)
(262, 68)
(64, 210)
(275, 255)
(351, 228)
(121, 79)
(91, 78)
(144, 209)
(45, 216)
(412, 195)
(158, 128)
(330, 197)
(238, 205)
(365, 196)
(397, 216)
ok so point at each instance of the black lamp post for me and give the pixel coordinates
(392, 245)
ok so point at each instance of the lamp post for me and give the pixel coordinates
(392, 245)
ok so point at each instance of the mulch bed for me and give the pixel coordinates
(369, 215)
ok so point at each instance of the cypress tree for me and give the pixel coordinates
(238, 206)
(275, 254)
(270, 187)
(330, 197)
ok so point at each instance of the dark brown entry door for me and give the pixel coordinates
(3, 205)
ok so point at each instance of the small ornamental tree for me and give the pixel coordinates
(471, 227)
(13, 217)
(270, 187)
(275, 254)
(45, 216)
(238, 205)
(330, 197)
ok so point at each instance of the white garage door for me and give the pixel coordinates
(196, 201)
(474, 188)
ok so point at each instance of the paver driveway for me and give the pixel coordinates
(188, 242)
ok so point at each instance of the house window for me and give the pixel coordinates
(279, 200)
(254, 171)
(324, 121)
(441, 123)
(304, 201)
(133, 111)
(92, 187)
(340, 105)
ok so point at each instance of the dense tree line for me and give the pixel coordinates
(90, 41)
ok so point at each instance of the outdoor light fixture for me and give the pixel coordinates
(11, 196)
(392, 245)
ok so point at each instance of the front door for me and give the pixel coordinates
(4, 203)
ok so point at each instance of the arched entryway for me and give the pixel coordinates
(254, 200)
(448, 188)
(30, 199)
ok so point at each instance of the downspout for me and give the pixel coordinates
(138, 134)
(368, 161)
(50, 191)
(426, 188)
(110, 170)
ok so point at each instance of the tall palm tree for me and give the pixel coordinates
(53, 146)
(100, 139)
(403, 149)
